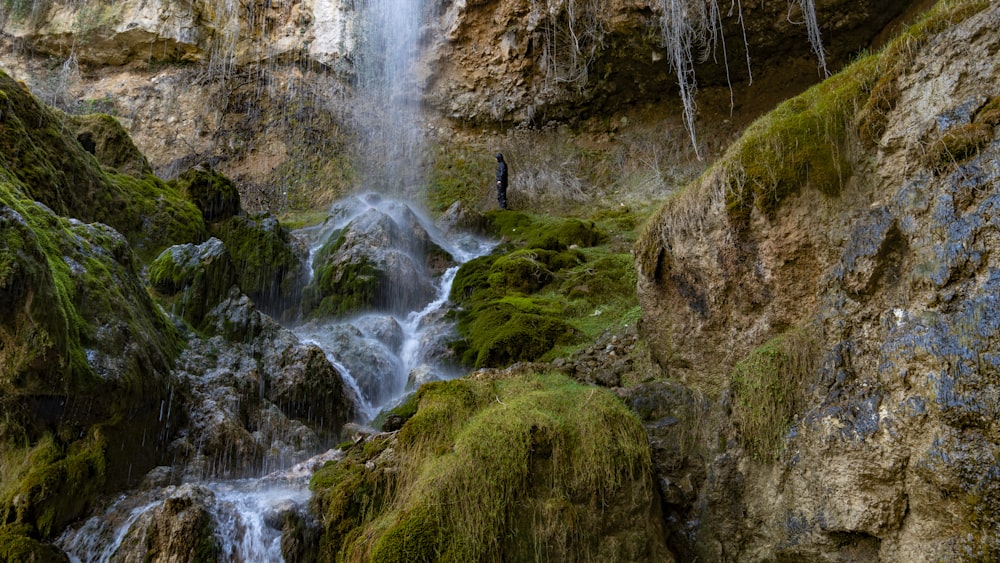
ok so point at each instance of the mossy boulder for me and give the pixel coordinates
(17, 546)
(215, 195)
(269, 261)
(86, 348)
(511, 331)
(40, 151)
(194, 278)
(34, 336)
(502, 467)
(104, 137)
(377, 261)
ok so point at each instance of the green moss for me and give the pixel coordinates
(502, 334)
(104, 137)
(545, 232)
(767, 392)
(536, 454)
(54, 485)
(17, 546)
(263, 254)
(214, 194)
(471, 283)
(39, 148)
(534, 300)
(340, 289)
(806, 141)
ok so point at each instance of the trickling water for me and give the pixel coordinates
(384, 355)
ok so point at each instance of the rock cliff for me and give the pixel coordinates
(856, 286)
(263, 93)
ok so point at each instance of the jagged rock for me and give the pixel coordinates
(373, 263)
(893, 280)
(257, 396)
(373, 365)
(460, 218)
(179, 529)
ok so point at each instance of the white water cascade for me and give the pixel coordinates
(382, 355)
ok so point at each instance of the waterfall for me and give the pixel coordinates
(386, 111)
(382, 354)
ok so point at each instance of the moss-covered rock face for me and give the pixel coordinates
(542, 290)
(889, 444)
(33, 327)
(16, 544)
(268, 260)
(502, 467)
(104, 137)
(214, 194)
(40, 149)
(194, 278)
(83, 347)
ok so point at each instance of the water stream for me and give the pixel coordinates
(381, 355)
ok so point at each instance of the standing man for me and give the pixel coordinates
(501, 182)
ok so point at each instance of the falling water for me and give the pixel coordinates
(387, 118)
(387, 108)
(395, 365)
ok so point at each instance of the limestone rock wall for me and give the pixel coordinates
(262, 91)
(892, 452)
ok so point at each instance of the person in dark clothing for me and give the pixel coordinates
(501, 182)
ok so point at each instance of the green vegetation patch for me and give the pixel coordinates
(506, 332)
(49, 485)
(499, 468)
(214, 194)
(555, 284)
(804, 141)
(767, 392)
(809, 139)
(39, 147)
(16, 545)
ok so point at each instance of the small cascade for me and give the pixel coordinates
(381, 355)
(243, 520)
(385, 354)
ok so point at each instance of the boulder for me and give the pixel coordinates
(181, 528)
(377, 262)
(196, 277)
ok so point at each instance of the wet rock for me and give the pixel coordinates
(269, 261)
(378, 261)
(258, 397)
(179, 529)
(198, 276)
(460, 218)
